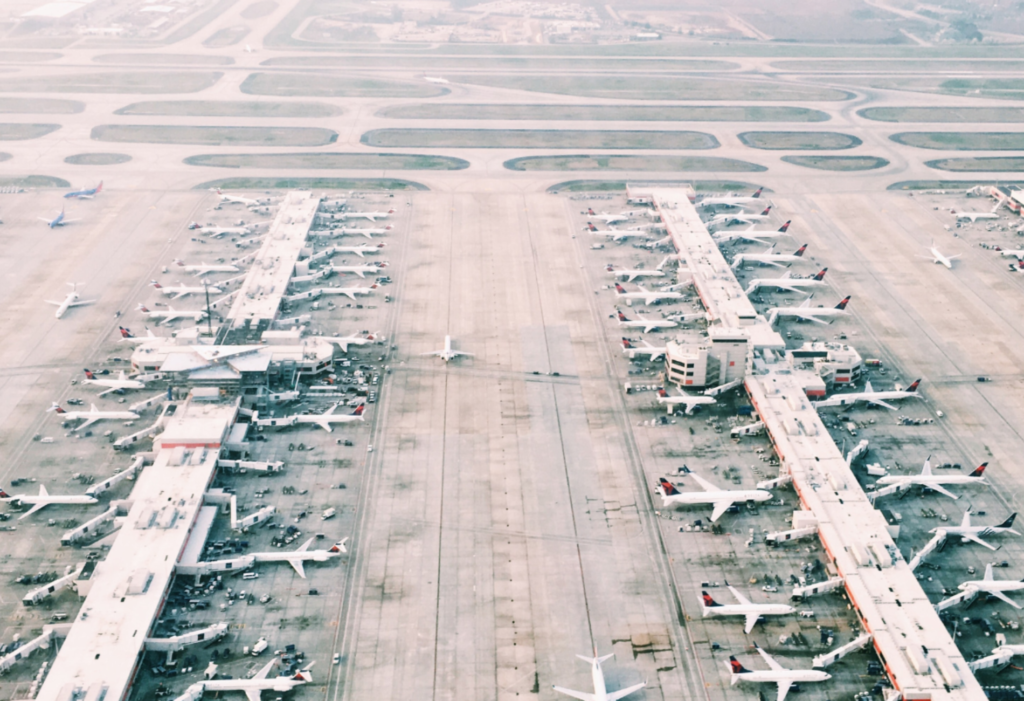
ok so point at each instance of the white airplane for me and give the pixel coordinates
(128, 337)
(778, 674)
(649, 297)
(122, 382)
(44, 499)
(349, 292)
(204, 268)
(993, 587)
(345, 341)
(85, 193)
(359, 270)
(59, 220)
(350, 231)
(618, 235)
(360, 251)
(648, 325)
(933, 481)
(182, 290)
(968, 533)
(729, 200)
(91, 416)
(438, 81)
(768, 257)
(296, 558)
(601, 692)
(870, 396)
(238, 199)
(750, 611)
(372, 216)
(721, 499)
(787, 282)
(447, 353)
(937, 257)
(252, 686)
(612, 218)
(691, 401)
(218, 231)
(323, 420)
(170, 314)
(631, 275)
(752, 234)
(740, 218)
(805, 312)
(72, 300)
(652, 352)
(1017, 253)
(975, 216)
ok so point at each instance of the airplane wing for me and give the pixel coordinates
(809, 317)
(50, 301)
(1000, 595)
(650, 327)
(324, 424)
(296, 564)
(739, 597)
(253, 694)
(720, 508)
(81, 302)
(37, 507)
(979, 541)
(879, 402)
(622, 693)
(942, 490)
(262, 674)
(88, 422)
(581, 695)
(774, 665)
(106, 391)
(784, 685)
(464, 353)
(707, 486)
(751, 620)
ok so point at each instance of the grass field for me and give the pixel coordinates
(98, 159)
(159, 59)
(637, 163)
(330, 161)
(545, 138)
(620, 185)
(39, 105)
(654, 87)
(32, 181)
(260, 8)
(625, 113)
(897, 66)
(214, 136)
(499, 63)
(944, 114)
(799, 140)
(28, 56)
(1008, 164)
(303, 85)
(203, 108)
(21, 132)
(841, 163)
(312, 184)
(962, 140)
(229, 36)
(948, 184)
(998, 88)
(124, 82)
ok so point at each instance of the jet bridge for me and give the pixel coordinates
(177, 643)
(47, 590)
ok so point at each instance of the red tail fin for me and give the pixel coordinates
(99, 188)
(785, 227)
(667, 487)
(626, 343)
(622, 317)
(913, 386)
(821, 274)
(3, 494)
(590, 226)
(766, 210)
(708, 601)
(88, 374)
(590, 212)
(846, 300)
(662, 392)
(978, 471)
(758, 193)
(800, 251)
(359, 410)
(125, 333)
(737, 668)
(618, 288)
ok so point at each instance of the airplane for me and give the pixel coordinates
(359, 270)
(601, 692)
(238, 199)
(438, 81)
(323, 420)
(975, 216)
(1017, 253)
(787, 282)
(345, 341)
(935, 482)
(122, 382)
(128, 337)
(218, 231)
(967, 532)
(359, 250)
(722, 499)
(295, 558)
(447, 353)
(778, 674)
(181, 290)
(85, 194)
(349, 292)
(740, 218)
(648, 325)
(350, 231)
(993, 587)
(91, 416)
(750, 611)
(646, 295)
(768, 257)
(805, 312)
(72, 300)
(612, 218)
(752, 234)
(44, 499)
(59, 220)
(652, 352)
(372, 216)
(204, 268)
(870, 396)
(252, 686)
(617, 235)
(729, 200)
(171, 314)
(631, 275)
(692, 401)
(937, 257)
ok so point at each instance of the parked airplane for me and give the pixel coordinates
(128, 337)
(612, 218)
(43, 499)
(601, 692)
(181, 290)
(692, 401)
(975, 216)
(648, 296)
(729, 200)
(59, 220)
(372, 216)
(296, 558)
(752, 234)
(72, 300)
(788, 282)
(91, 416)
(86, 194)
(323, 420)
(218, 231)
(359, 270)
(870, 396)
(768, 257)
(721, 499)
(361, 250)
(350, 292)
(345, 341)
(805, 312)
(740, 218)
(785, 678)
(993, 587)
(122, 382)
(201, 269)
(933, 481)
(447, 353)
(648, 325)
(252, 686)
(966, 532)
(617, 235)
(630, 275)
(170, 314)
(653, 353)
(350, 231)
(937, 257)
(238, 199)
(750, 611)
(438, 81)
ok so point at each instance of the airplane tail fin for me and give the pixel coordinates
(596, 659)
(708, 601)
(590, 211)
(758, 194)
(619, 289)
(785, 227)
(736, 668)
(3, 494)
(88, 374)
(1008, 523)
(913, 386)
(125, 333)
(142, 308)
(156, 284)
(622, 317)
(339, 547)
(590, 226)
(821, 274)
(800, 251)
(980, 470)
(766, 211)
(842, 305)
(99, 188)
(626, 345)
(359, 410)
(667, 488)
(55, 407)
(662, 393)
